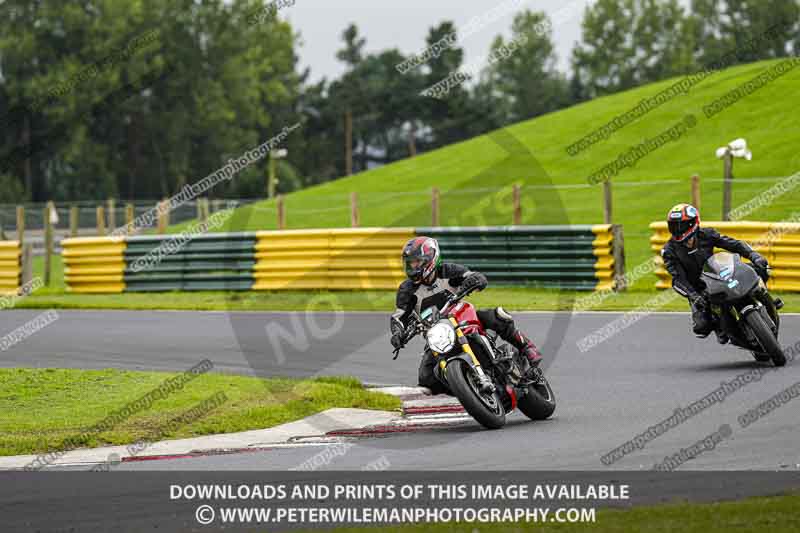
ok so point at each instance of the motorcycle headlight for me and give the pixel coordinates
(441, 337)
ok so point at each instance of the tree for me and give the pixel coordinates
(206, 88)
(347, 91)
(737, 31)
(523, 68)
(629, 43)
(447, 117)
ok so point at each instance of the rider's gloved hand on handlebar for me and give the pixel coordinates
(475, 282)
(698, 300)
(760, 264)
(398, 340)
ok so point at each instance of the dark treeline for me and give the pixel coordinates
(113, 98)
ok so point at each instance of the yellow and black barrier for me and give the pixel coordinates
(10, 267)
(580, 258)
(566, 257)
(357, 258)
(94, 264)
(778, 242)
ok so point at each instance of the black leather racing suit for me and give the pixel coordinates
(686, 264)
(449, 277)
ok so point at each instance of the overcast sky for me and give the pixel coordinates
(404, 25)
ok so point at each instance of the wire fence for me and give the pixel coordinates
(87, 214)
(579, 202)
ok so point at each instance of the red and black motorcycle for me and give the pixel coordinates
(489, 380)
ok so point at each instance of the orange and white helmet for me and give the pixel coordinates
(683, 221)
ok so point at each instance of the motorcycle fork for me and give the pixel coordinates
(466, 350)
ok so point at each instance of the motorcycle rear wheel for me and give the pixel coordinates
(766, 338)
(463, 386)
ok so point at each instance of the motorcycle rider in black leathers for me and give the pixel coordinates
(431, 282)
(686, 253)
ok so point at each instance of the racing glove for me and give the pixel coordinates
(698, 300)
(760, 264)
(398, 340)
(475, 282)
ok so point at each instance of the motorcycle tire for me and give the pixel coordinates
(766, 338)
(470, 399)
(762, 357)
(539, 401)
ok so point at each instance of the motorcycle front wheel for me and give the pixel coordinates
(486, 409)
(766, 338)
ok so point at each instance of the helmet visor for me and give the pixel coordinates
(414, 266)
(678, 228)
(418, 265)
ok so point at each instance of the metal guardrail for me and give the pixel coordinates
(357, 258)
(10, 267)
(562, 257)
(566, 257)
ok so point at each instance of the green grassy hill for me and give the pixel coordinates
(475, 176)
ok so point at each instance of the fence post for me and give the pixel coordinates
(112, 216)
(48, 242)
(20, 224)
(27, 263)
(74, 221)
(696, 191)
(163, 216)
(727, 186)
(354, 209)
(435, 206)
(130, 215)
(608, 204)
(618, 252)
(100, 219)
(281, 212)
(517, 217)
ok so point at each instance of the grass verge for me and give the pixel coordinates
(40, 408)
(775, 514)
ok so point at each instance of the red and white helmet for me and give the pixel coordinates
(683, 221)
(421, 258)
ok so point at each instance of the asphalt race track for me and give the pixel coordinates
(606, 396)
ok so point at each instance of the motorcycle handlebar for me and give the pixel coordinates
(414, 327)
